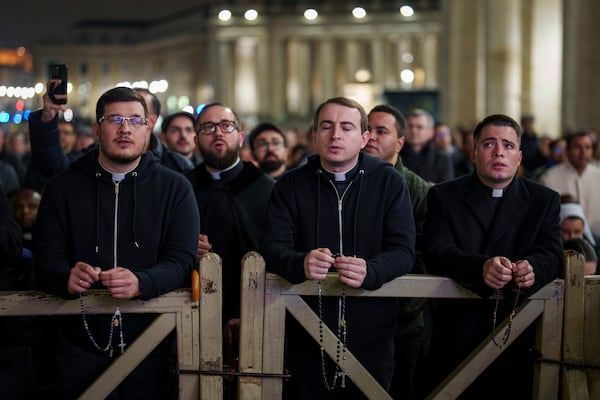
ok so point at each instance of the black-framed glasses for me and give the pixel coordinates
(225, 126)
(264, 144)
(118, 120)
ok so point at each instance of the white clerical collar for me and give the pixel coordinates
(216, 175)
(497, 192)
(116, 176)
(341, 176)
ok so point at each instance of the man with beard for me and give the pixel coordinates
(48, 158)
(269, 149)
(232, 197)
(115, 220)
(178, 132)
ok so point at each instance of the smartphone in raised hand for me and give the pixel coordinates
(59, 71)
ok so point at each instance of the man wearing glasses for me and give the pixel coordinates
(115, 220)
(48, 158)
(232, 198)
(269, 149)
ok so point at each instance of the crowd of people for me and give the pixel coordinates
(125, 205)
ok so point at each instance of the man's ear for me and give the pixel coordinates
(400, 143)
(366, 135)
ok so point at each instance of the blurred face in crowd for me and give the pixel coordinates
(338, 137)
(180, 135)
(68, 137)
(442, 137)
(558, 152)
(25, 206)
(219, 137)
(270, 151)
(571, 228)
(122, 144)
(420, 131)
(497, 155)
(579, 152)
(384, 141)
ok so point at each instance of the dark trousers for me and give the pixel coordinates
(154, 378)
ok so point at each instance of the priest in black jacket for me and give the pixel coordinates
(491, 230)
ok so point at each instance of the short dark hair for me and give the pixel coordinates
(262, 127)
(169, 118)
(574, 135)
(155, 101)
(498, 120)
(116, 95)
(217, 104)
(346, 102)
(400, 120)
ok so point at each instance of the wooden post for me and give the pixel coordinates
(251, 326)
(574, 380)
(591, 339)
(211, 327)
(274, 328)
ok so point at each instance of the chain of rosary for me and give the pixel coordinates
(115, 321)
(506, 334)
(341, 340)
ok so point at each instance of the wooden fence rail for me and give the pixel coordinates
(266, 298)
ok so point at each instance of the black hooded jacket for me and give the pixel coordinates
(371, 219)
(148, 223)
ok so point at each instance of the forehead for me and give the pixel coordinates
(181, 120)
(216, 114)
(124, 108)
(380, 118)
(582, 140)
(268, 134)
(572, 222)
(338, 112)
(498, 132)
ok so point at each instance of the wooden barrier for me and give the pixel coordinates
(544, 308)
(266, 298)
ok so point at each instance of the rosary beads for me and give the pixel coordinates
(115, 322)
(340, 356)
(506, 334)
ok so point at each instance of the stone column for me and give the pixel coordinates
(581, 63)
(503, 94)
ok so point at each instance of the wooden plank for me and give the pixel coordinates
(405, 286)
(546, 376)
(592, 334)
(251, 325)
(133, 356)
(486, 353)
(355, 371)
(574, 382)
(211, 326)
(274, 333)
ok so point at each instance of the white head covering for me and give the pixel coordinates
(574, 210)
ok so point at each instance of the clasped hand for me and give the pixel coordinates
(351, 270)
(498, 271)
(121, 282)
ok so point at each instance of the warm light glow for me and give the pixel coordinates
(407, 76)
(39, 87)
(311, 14)
(407, 11)
(68, 115)
(251, 14)
(407, 58)
(158, 86)
(359, 13)
(224, 15)
(362, 75)
(183, 102)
